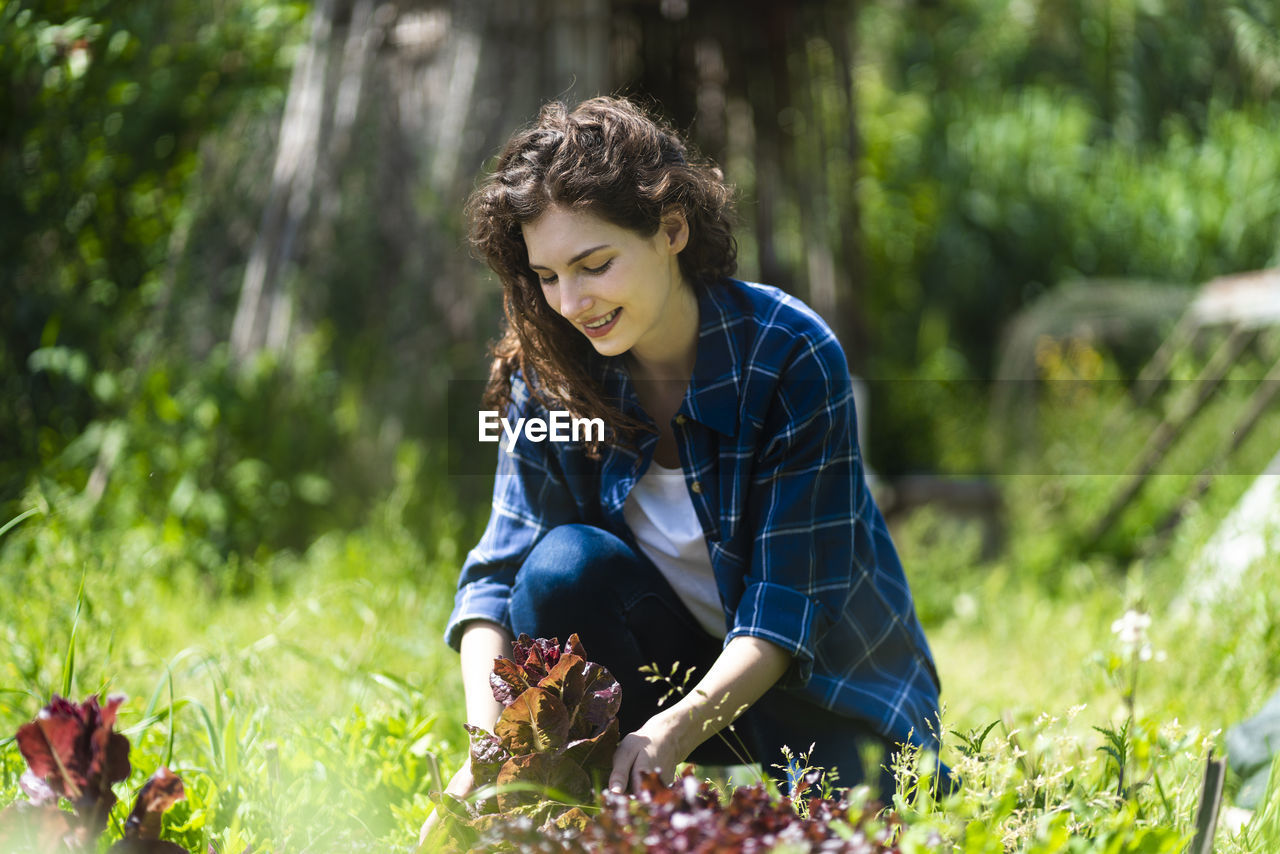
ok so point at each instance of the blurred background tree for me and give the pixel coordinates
(233, 280)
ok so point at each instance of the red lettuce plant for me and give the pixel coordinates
(555, 737)
(73, 754)
(689, 815)
(558, 728)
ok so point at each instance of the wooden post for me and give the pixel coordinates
(1210, 804)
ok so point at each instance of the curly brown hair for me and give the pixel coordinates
(610, 158)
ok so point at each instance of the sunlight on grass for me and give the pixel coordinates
(309, 703)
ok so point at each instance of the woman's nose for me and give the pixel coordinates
(572, 299)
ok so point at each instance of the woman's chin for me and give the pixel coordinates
(609, 346)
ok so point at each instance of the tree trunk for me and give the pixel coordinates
(264, 311)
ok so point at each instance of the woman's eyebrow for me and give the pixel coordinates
(575, 259)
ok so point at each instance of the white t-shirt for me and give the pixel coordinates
(660, 514)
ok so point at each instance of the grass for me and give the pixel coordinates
(309, 712)
(315, 711)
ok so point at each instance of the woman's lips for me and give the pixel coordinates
(597, 331)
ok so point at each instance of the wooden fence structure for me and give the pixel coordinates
(1233, 310)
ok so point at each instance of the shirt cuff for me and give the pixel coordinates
(492, 607)
(783, 616)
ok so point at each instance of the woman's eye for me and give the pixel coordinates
(547, 280)
(595, 271)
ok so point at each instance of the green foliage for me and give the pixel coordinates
(297, 715)
(149, 122)
(105, 107)
(1006, 147)
(199, 451)
(1262, 831)
(318, 712)
(1018, 192)
(1009, 147)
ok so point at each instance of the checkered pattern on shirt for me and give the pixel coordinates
(768, 444)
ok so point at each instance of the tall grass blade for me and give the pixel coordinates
(16, 519)
(165, 681)
(69, 663)
(211, 732)
(168, 746)
(404, 690)
(1263, 831)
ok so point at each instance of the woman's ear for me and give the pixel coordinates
(675, 230)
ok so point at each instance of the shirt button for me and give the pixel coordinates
(696, 487)
(680, 419)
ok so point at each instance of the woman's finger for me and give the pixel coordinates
(618, 779)
(623, 758)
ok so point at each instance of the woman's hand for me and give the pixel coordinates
(459, 786)
(746, 668)
(482, 642)
(657, 746)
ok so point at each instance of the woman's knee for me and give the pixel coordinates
(571, 563)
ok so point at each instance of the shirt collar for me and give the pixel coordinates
(713, 395)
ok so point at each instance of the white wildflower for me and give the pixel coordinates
(1132, 627)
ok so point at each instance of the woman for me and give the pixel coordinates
(724, 522)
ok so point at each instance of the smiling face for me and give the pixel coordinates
(622, 290)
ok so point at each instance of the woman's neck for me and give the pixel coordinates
(671, 359)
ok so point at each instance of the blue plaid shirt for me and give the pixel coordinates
(768, 444)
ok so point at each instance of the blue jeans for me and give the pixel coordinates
(585, 580)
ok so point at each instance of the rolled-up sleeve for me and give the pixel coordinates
(803, 509)
(529, 499)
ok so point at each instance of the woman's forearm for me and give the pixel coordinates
(744, 671)
(482, 642)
